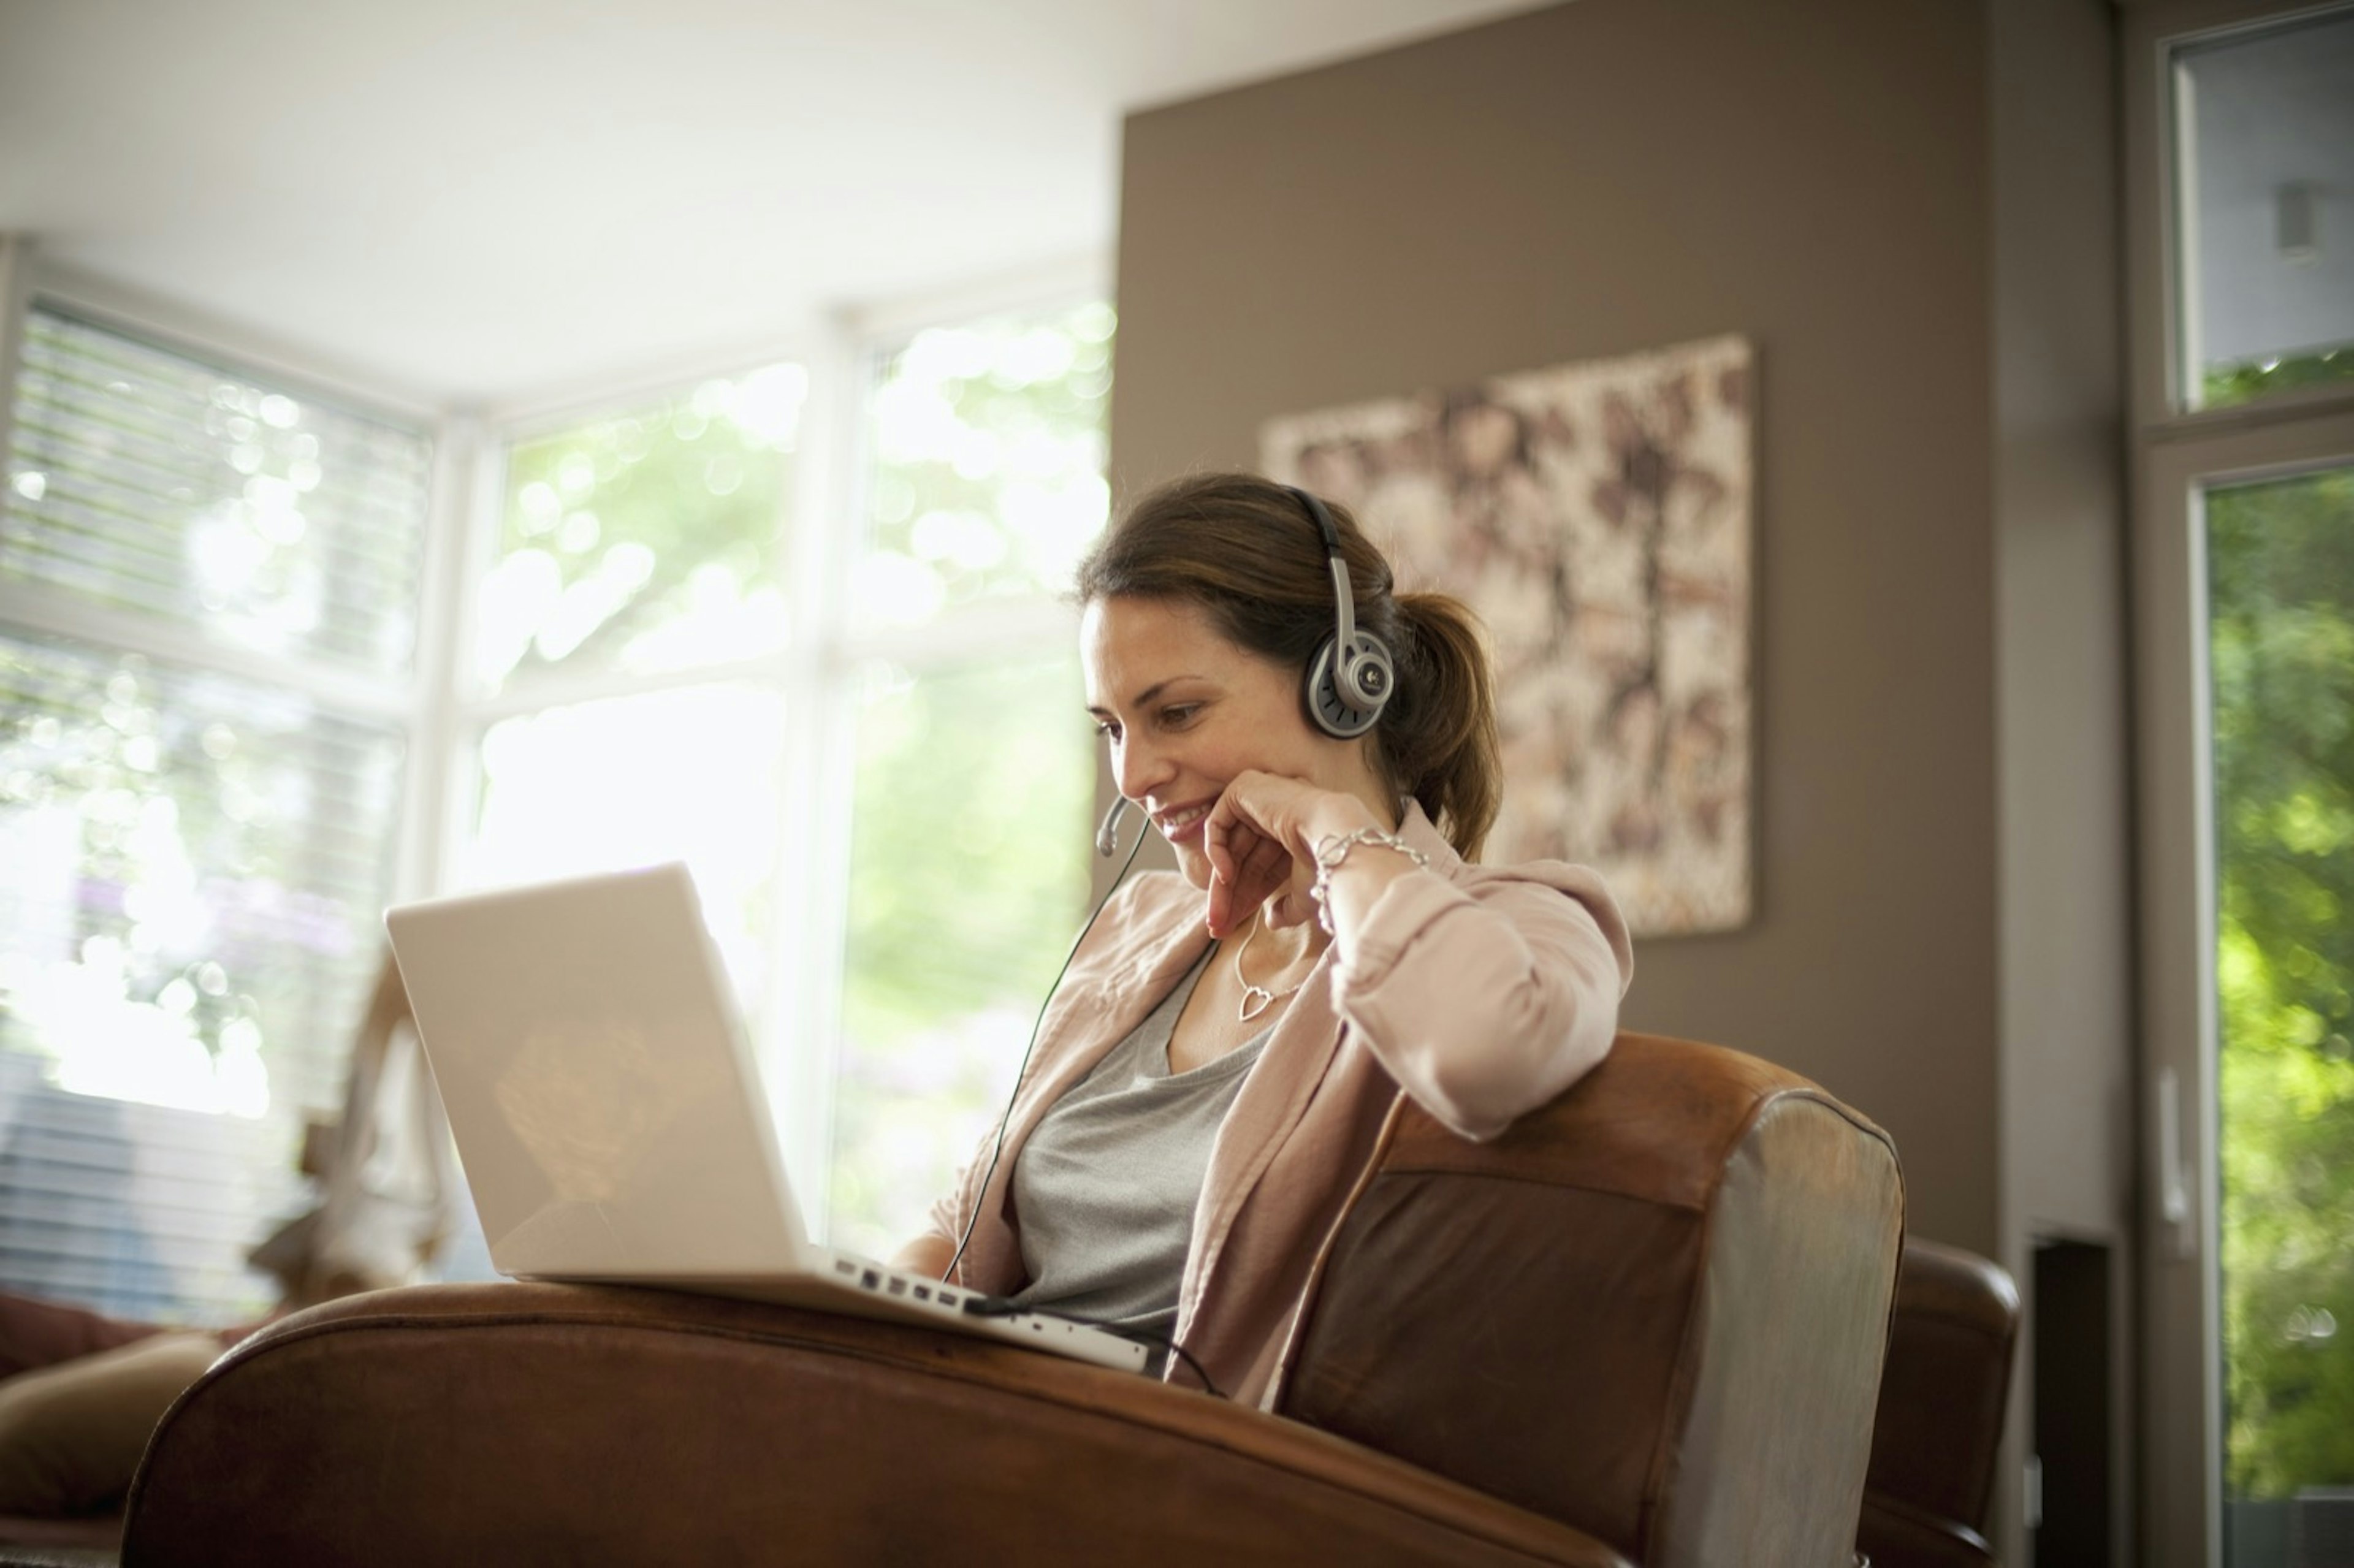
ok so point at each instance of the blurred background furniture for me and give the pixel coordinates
(1644, 1327)
(386, 1184)
(37, 1334)
(1942, 1395)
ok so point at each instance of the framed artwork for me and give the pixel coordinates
(1598, 518)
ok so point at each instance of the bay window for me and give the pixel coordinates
(271, 660)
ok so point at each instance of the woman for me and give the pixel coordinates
(1213, 1074)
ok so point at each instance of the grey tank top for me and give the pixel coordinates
(1105, 1190)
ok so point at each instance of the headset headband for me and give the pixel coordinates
(1344, 601)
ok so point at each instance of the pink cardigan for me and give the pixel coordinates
(1478, 991)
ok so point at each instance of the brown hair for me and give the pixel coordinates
(1245, 550)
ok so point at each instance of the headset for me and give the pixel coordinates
(1344, 695)
(1352, 674)
(1349, 680)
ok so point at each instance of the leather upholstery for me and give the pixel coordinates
(539, 1424)
(1653, 1310)
(1939, 1424)
(1643, 1326)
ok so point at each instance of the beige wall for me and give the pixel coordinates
(2066, 915)
(1615, 174)
(2065, 900)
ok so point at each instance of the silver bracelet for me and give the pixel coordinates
(1332, 849)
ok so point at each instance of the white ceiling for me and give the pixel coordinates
(482, 199)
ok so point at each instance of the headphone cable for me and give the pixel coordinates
(949, 1274)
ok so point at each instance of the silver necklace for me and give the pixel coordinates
(1257, 999)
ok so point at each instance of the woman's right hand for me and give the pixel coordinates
(927, 1254)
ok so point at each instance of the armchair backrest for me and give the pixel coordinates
(1655, 1309)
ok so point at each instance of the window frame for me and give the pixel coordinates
(2156, 284)
(2173, 451)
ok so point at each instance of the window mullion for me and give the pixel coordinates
(802, 1009)
(95, 626)
(2282, 408)
(1005, 629)
(427, 815)
(596, 686)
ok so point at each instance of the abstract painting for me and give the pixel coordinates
(1597, 515)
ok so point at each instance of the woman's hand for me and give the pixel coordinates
(1261, 840)
(927, 1255)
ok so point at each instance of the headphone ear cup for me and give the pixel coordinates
(1331, 708)
(1367, 675)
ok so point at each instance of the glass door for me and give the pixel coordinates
(2239, 139)
(2280, 657)
(2245, 569)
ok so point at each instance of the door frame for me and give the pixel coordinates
(2174, 454)
(2182, 1405)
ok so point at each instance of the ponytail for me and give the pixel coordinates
(1437, 740)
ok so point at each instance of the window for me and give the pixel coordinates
(2242, 147)
(208, 606)
(631, 679)
(867, 741)
(974, 768)
(2280, 575)
(2263, 129)
(799, 623)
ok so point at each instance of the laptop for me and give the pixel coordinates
(610, 1116)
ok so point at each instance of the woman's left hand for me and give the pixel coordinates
(1260, 839)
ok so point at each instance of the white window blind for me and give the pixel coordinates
(145, 481)
(197, 842)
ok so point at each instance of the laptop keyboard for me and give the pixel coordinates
(1072, 1337)
(890, 1282)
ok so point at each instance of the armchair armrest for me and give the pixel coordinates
(529, 1424)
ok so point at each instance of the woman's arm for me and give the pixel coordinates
(928, 1254)
(932, 1252)
(1485, 1001)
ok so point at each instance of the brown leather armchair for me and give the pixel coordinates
(1953, 1330)
(1645, 1326)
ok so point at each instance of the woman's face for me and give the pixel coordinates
(1184, 711)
